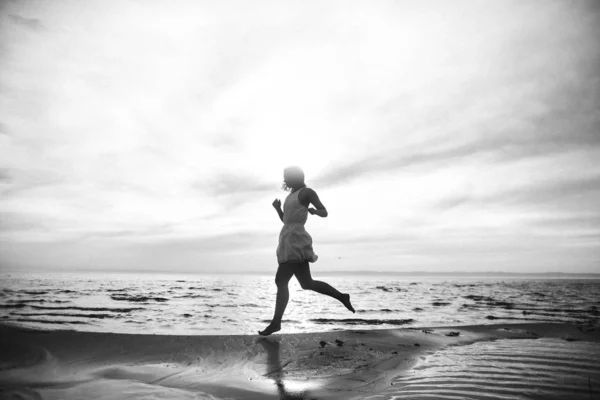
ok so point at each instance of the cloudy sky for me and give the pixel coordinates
(152, 135)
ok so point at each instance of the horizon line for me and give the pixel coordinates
(324, 272)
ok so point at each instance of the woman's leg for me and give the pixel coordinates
(283, 276)
(307, 282)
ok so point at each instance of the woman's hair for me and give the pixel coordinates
(293, 178)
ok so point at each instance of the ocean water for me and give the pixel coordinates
(233, 305)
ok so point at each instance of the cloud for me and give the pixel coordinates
(503, 147)
(514, 121)
(233, 184)
(160, 230)
(374, 239)
(241, 250)
(19, 221)
(394, 158)
(3, 129)
(5, 175)
(548, 191)
(30, 23)
(451, 202)
(588, 222)
(536, 192)
(23, 180)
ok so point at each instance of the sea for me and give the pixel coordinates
(172, 304)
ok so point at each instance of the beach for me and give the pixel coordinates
(531, 360)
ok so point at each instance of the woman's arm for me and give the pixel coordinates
(277, 206)
(313, 199)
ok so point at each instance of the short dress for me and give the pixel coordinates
(295, 244)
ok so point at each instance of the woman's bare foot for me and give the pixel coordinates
(346, 302)
(272, 328)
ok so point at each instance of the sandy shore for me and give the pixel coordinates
(373, 364)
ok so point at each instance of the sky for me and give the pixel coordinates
(440, 136)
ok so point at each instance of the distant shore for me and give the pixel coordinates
(349, 364)
(365, 273)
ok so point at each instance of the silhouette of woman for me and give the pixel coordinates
(295, 251)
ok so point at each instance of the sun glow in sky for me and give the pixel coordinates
(441, 136)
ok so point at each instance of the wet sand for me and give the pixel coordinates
(480, 362)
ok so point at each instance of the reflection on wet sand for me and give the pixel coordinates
(275, 370)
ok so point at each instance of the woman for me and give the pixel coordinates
(295, 251)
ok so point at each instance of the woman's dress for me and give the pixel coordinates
(295, 244)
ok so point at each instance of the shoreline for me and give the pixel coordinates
(59, 364)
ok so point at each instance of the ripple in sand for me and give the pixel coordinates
(504, 369)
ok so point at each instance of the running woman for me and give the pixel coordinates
(295, 252)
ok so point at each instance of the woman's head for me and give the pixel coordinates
(293, 178)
